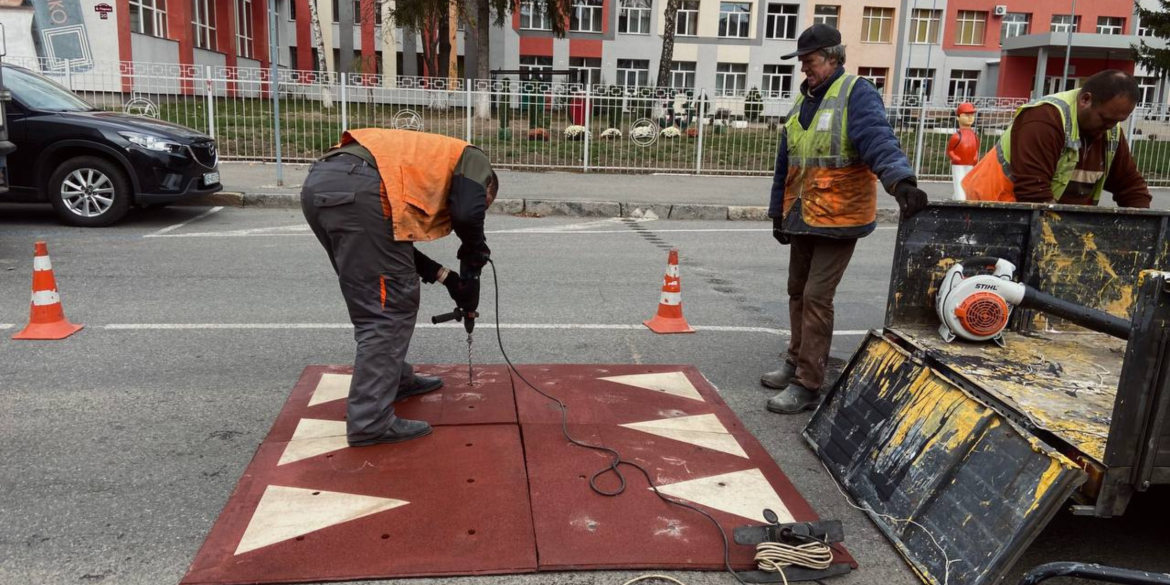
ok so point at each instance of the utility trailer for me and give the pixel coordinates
(962, 452)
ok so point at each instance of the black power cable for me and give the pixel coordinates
(615, 458)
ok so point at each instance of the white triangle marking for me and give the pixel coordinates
(331, 387)
(288, 512)
(703, 430)
(314, 437)
(743, 493)
(675, 383)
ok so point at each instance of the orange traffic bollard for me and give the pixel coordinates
(46, 316)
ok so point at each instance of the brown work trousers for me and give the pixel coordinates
(814, 271)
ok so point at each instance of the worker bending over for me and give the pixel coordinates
(368, 200)
(1066, 148)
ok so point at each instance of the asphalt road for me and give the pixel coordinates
(120, 445)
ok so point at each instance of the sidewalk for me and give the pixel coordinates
(583, 195)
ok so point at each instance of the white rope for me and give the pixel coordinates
(648, 577)
(774, 557)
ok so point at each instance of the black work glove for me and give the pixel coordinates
(778, 231)
(910, 198)
(472, 258)
(464, 292)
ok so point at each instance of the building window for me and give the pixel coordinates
(1144, 31)
(1065, 23)
(203, 24)
(1148, 86)
(586, 16)
(357, 11)
(634, 18)
(149, 17)
(877, 25)
(686, 23)
(782, 21)
(244, 47)
(534, 68)
(533, 16)
(970, 27)
(875, 75)
(735, 19)
(924, 26)
(633, 72)
(919, 82)
(1110, 25)
(826, 14)
(730, 78)
(963, 84)
(587, 70)
(1015, 24)
(682, 74)
(777, 80)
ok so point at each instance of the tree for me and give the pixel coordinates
(666, 60)
(1158, 22)
(319, 46)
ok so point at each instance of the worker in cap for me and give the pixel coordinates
(1066, 148)
(835, 146)
(368, 200)
(963, 148)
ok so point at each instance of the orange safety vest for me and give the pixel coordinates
(416, 169)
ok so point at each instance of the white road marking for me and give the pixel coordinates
(7, 325)
(172, 228)
(546, 326)
(583, 229)
(285, 230)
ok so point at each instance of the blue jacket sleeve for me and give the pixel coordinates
(776, 204)
(873, 137)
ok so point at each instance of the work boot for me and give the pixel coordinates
(421, 385)
(793, 399)
(779, 379)
(400, 430)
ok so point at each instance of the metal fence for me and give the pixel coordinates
(526, 124)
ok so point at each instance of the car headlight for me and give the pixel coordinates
(151, 142)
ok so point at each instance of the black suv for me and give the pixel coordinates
(93, 164)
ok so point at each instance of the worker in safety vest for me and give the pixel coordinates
(368, 200)
(824, 197)
(1066, 148)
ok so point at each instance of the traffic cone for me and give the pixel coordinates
(670, 317)
(46, 316)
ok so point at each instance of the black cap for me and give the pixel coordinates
(815, 37)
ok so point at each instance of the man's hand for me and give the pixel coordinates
(910, 198)
(473, 259)
(778, 231)
(464, 291)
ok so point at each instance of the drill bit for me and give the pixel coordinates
(470, 373)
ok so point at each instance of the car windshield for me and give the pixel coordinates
(39, 93)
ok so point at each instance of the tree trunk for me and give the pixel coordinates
(322, 64)
(666, 61)
(445, 26)
(483, 63)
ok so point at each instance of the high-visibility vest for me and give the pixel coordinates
(416, 169)
(825, 171)
(992, 178)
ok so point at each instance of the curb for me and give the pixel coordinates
(542, 207)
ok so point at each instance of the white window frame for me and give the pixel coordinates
(778, 80)
(635, 70)
(971, 28)
(1143, 31)
(357, 11)
(590, 65)
(1012, 26)
(682, 74)
(963, 84)
(635, 13)
(203, 23)
(586, 16)
(536, 63)
(152, 18)
(734, 22)
(821, 14)
(1110, 25)
(883, 18)
(783, 24)
(1148, 86)
(686, 21)
(915, 78)
(735, 73)
(924, 26)
(871, 73)
(533, 16)
(1060, 23)
(245, 18)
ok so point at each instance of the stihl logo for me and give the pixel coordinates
(986, 287)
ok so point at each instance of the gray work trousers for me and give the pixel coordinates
(342, 204)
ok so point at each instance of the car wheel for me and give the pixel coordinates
(89, 191)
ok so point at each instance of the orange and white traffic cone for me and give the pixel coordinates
(46, 316)
(670, 317)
